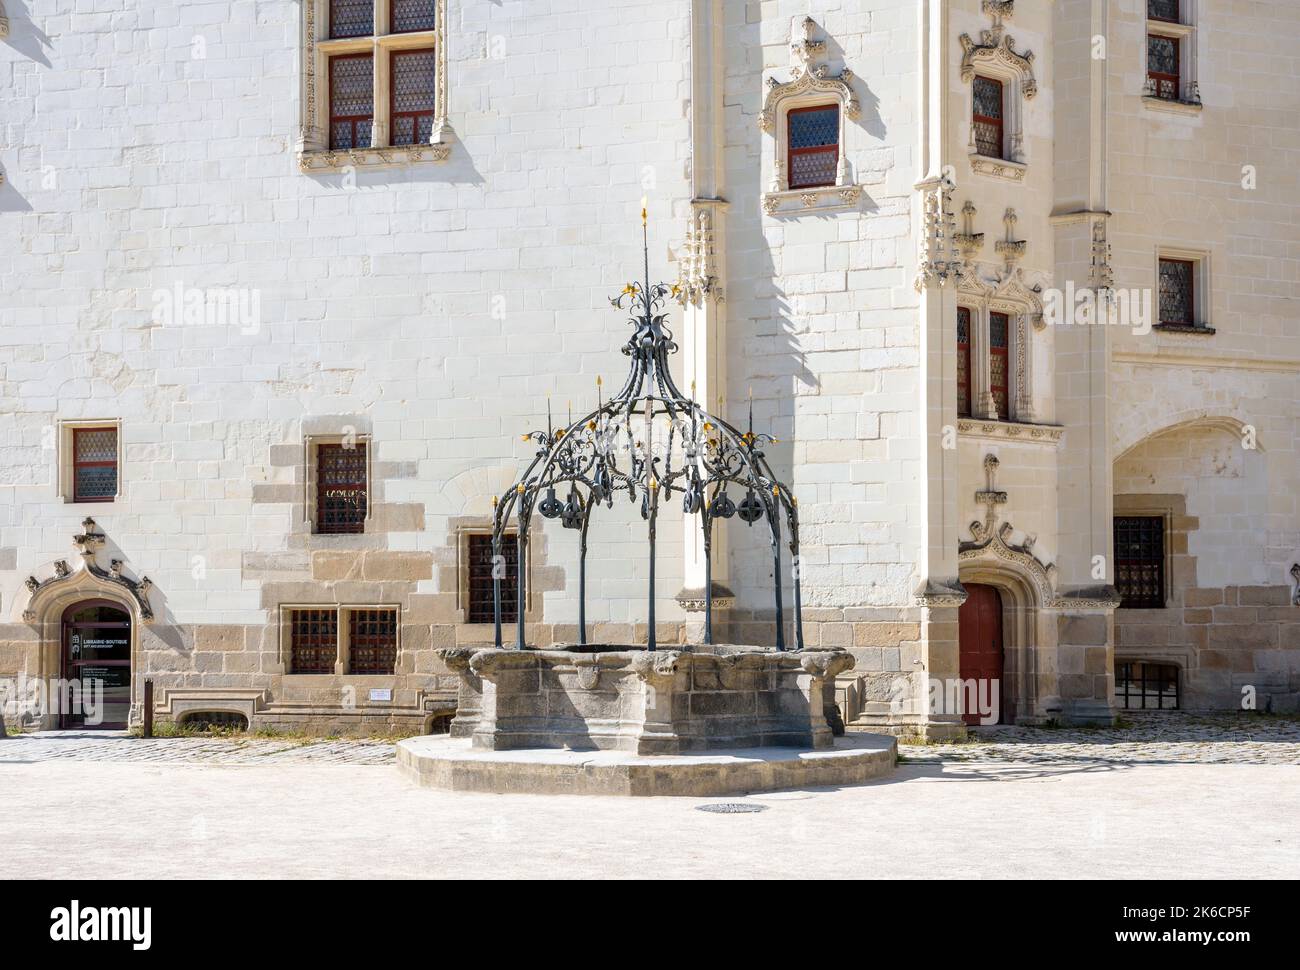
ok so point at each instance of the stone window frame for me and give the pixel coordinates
(1165, 515)
(317, 47)
(311, 450)
(1201, 289)
(1014, 166)
(1185, 33)
(1160, 506)
(982, 304)
(66, 458)
(343, 656)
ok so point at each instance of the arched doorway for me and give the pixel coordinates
(96, 666)
(979, 626)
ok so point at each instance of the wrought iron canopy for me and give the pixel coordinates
(652, 444)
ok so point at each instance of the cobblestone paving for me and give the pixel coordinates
(1151, 738)
(1142, 738)
(117, 746)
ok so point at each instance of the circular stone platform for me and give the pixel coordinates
(443, 762)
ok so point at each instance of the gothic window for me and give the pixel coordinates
(352, 101)
(1146, 686)
(341, 488)
(372, 641)
(814, 149)
(374, 79)
(963, 362)
(988, 117)
(1000, 362)
(1178, 292)
(94, 464)
(314, 641)
(1140, 561)
(480, 607)
(1163, 66)
(412, 108)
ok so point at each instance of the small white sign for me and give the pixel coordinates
(381, 694)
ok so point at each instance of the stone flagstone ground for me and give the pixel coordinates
(1168, 796)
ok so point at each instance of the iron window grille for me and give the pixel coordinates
(94, 464)
(352, 101)
(1147, 686)
(989, 117)
(1140, 561)
(814, 145)
(372, 641)
(1000, 362)
(1178, 292)
(963, 362)
(314, 641)
(480, 606)
(341, 499)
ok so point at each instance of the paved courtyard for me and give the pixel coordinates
(1177, 796)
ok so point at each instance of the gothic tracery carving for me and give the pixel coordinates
(88, 541)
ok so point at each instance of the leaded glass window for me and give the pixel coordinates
(1000, 362)
(963, 362)
(352, 18)
(94, 464)
(372, 641)
(413, 93)
(1178, 292)
(988, 117)
(340, 488)
(1163, 10)
(1140, 561)
(409, 15)
(814, 149)
(481, 607)
(1163, 66)
(314, 641)
(352, 100)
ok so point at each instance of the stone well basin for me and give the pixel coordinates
(626, 698)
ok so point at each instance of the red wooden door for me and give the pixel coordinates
(980, 631)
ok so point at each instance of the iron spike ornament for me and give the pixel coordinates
(651, 442)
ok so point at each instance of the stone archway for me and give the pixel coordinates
(1024, 631)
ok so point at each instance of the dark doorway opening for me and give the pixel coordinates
(96, 689)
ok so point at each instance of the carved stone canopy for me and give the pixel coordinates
(1295, 574)
(87, 542)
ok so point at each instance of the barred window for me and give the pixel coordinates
(1178, 292)
(372, 641)
(1164, 56)
(94, 464)
(1164, 10)
(963, 362)
(1146, 686)
(480, 607)
(988, 118)
(409, 15)
(1000, 362)
(341, 488)
(1140, 561)
(352, 100)
(314, 641)
(413, 93)
(814, 145)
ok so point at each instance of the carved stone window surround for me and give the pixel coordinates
(1189, 76)
(314, 153)
(811, 84)
(995, 56)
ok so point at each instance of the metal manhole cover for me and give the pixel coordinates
(731, 808)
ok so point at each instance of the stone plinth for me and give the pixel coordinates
(628, 699)
(454, 764)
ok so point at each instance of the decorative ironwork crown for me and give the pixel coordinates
(651, 442)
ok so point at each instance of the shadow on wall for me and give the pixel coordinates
(24, 36)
